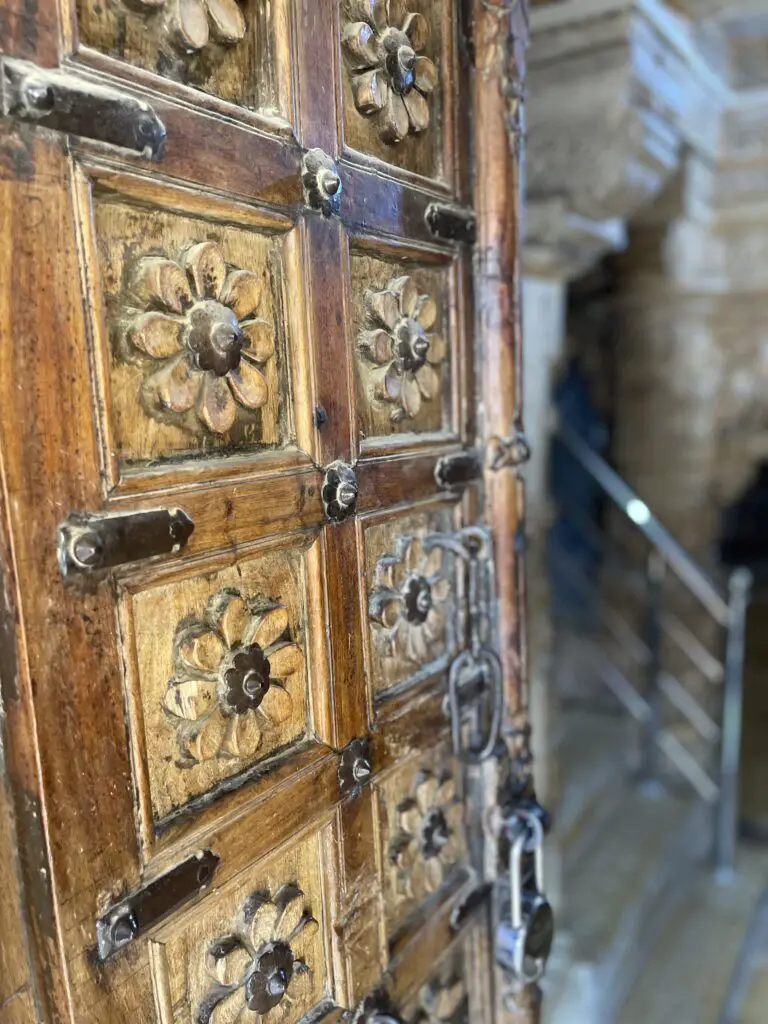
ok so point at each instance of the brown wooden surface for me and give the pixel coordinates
(130, 744)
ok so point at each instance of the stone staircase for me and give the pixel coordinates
(622, 861)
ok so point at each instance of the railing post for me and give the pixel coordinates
(726, 827)
(649, 752)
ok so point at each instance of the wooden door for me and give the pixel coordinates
(237, 339)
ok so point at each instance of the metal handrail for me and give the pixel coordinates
(728, 610)
(686, 568)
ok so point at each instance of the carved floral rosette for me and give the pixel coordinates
(234, 671)
(407, 604)
(188, 26)
(443, 1000)
(194, 323)
(391, 78)
(400, 341)
(259, 968)
(428, 841)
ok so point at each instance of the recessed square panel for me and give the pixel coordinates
(233, 49)
(397, 73)
(195, 347)
(422, 832)
(254, 950)
(219, 681)
(405, 344)
(411, 584)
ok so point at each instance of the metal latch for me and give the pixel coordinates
(129, 918)
(475, 702)
(451, 223)
(89, 544)
(63, 102)
(458, 470)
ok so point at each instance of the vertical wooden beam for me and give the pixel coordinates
(500, 35)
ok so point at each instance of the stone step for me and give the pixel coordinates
(711, 955)
(619, 894)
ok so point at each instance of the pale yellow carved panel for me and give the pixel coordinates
(401, 315)
(223, 47)
(422, 832)
(396, 70)
(220, 674)
(411, 592)
(195, 336)
(252, 951)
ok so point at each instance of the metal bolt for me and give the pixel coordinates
(361, 769)
(346, 495)
(87, 549)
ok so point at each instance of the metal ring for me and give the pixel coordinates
(491, 661)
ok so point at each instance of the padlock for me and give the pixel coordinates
(523, 943)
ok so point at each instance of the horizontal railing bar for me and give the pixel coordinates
(687, 705)
(682, 564)
(687, 764)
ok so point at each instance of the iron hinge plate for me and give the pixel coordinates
(63, 102)
(90, 544)
(132, 916)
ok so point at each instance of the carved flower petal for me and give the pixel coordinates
(277, 705)
(377, 345)
(292, 912)
(175, 386)
(383, 307)
(406, 292)
(241, 292)
(393, 119)
(410, 819)
(446, 794)
(370, 90)
(418, 878)
(156, 334)
(425, 75)
(416, 28)
(188, 22)
(205, 264)
(228, 969)
(411, 397)
(396, 12)
(418, 110)
(413, 554)
(222, 1005)
(286, 660)
(269, 627)
(426, 793)
(190, 699)
(434, 625)
(227, 20)
(392, 385)
(389, 613)
(243, 736)
(441, 589)
(426, 311)
(216, 407)
(437, 349)
(161, 282)
(233, 616)
(264, 925)
(260, 339)
(372, 11)
(416, 649)
(433, 561)
(359, 41)
(448, 998)
(248, 385)
(428, 381)
(201, 649)
(434, 873)
(208, 741)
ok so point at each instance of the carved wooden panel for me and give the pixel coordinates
(411, 598)
(403, 315)
(194, 345)
(217, 674)
(235, 49)
(421, 832)
(397, 70)
(443, 998)
(255, 950)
